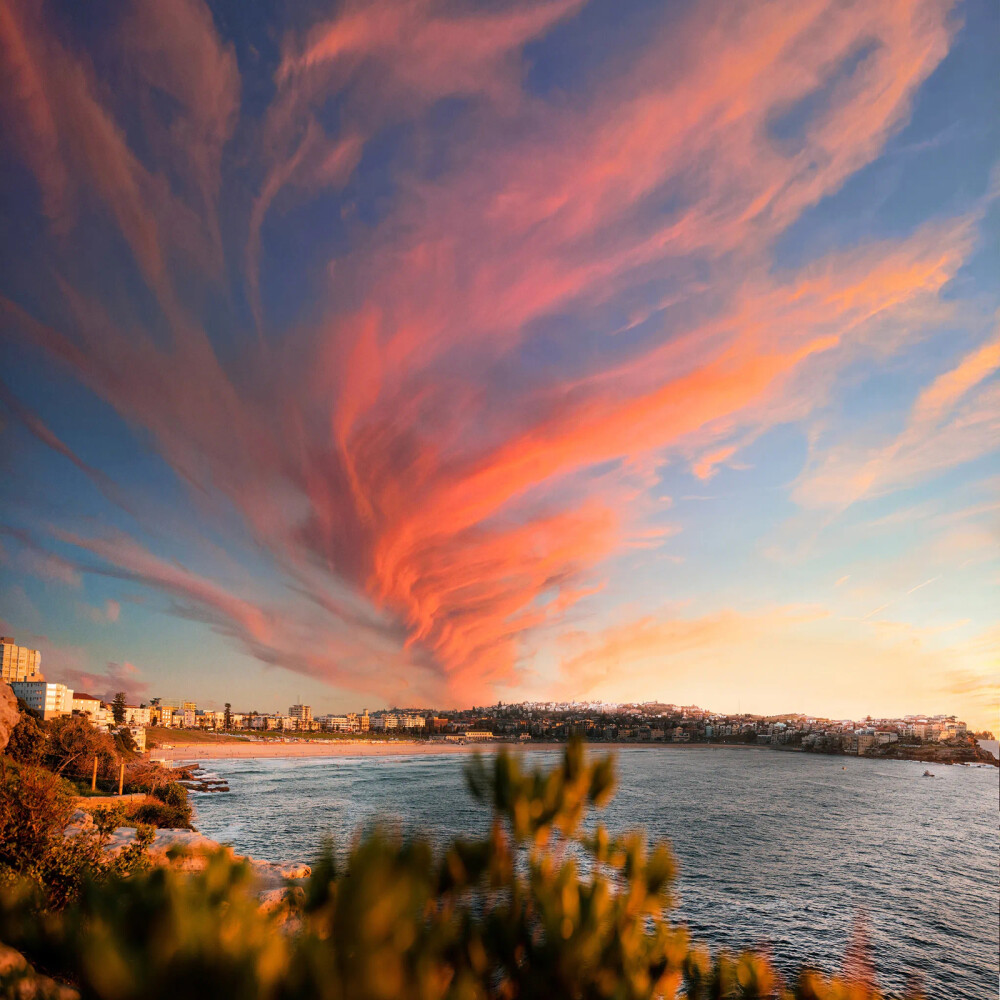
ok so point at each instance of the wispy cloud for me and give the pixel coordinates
(536, 303)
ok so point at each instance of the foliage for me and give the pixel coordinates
(124, 743)
(73, 745)
(27, 740)
(118, 707)
(25, 709)
(539, 907)
(35, 853)
(171, 810)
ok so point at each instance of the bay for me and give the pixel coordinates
(775, 850)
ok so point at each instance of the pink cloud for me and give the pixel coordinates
(105, 685)
(423, 520)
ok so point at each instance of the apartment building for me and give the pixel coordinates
(48, 699)
(87, 704)
(18, 663)
(137, 716)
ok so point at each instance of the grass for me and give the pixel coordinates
(160, 735)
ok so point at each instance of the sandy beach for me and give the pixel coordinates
(322, 748)
(245, 749)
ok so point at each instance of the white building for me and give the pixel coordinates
(48, 699)
(87, 704)
(136, 716)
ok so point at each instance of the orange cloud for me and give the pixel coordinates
(775, 658)
(398, 445)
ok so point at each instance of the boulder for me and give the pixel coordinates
(19, 979)
(79, 821)
(193, 847)
(274, 874)
(285, 905)
(9, 713)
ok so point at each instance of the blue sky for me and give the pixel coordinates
(399, 353)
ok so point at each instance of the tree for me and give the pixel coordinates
(227, 722)
(118, 708)
(73, 744)
(27, 740)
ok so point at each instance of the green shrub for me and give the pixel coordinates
(160, 814)
(536, 908)
(175, 810)
(50, 868)
(27, 739)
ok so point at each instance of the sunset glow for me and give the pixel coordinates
(428, 353)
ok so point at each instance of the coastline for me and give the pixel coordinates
(244, 750)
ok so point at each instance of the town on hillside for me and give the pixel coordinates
(923, 737)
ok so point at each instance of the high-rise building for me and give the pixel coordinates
(18, 663)
(303, 713)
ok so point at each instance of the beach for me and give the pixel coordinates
(250, 750)
(246, 749)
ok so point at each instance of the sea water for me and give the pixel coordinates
(776, 850)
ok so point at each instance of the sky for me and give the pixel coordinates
(410, 352)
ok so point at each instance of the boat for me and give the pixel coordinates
(927, 774)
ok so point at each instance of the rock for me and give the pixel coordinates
(79, 821)
(193, 847)
(9, 714)
(19, 979)
(274, 874)
(286, 906)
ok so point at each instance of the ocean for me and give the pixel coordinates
(775, 850)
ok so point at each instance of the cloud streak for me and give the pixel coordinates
(484, 312)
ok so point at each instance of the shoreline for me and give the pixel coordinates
(244, 750)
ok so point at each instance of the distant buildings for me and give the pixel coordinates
(349, 723)
(646, 722)
(18, 663)
(387, 721)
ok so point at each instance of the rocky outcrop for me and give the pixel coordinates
(193, 778)
(286, 905)
(951, 752)
(9, 714)
(187, 850)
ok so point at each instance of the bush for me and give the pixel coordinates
(48, 868)
(160, 814)
(534, 909)
(27, 740)
(175, 810)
